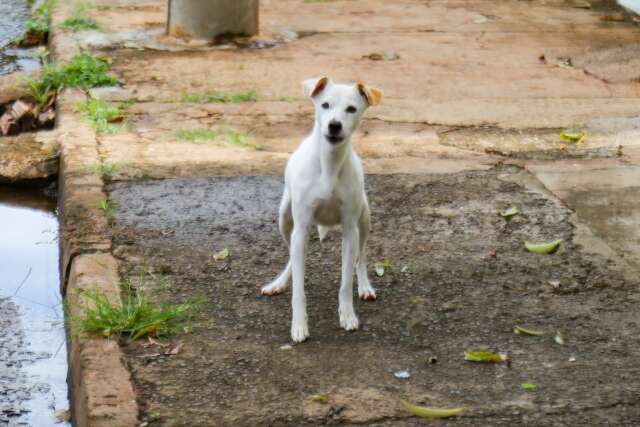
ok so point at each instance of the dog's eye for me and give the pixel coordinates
(325, 105)
(351, 109)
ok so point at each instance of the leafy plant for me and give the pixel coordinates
(107, 206)
(86, 71)
(220, 97)
(134, 317)
(102, 114)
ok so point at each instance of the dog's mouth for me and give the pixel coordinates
(334, 139)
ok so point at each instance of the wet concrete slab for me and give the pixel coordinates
(468, 281)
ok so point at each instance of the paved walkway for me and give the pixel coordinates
(476, 94)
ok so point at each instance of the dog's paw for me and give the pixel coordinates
(367, 293)
(299, 331)
(272, 289)
(348, 320)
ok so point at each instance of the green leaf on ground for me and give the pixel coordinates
(509, 212)
(321, 398)
(484, 357)
(525, 331)
(527, 386)
(221, 255)
(381, 266)
(543, 248)
(424, 412)
(574, 137)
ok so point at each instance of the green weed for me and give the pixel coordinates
(224, 135)
(106, 170)
(86, 71)
(102, 115)
(134, 317)
(107, 206)
(220, 97)
(78, 23)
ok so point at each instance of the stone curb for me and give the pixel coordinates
(100, 387)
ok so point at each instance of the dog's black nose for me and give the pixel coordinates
(334, 127)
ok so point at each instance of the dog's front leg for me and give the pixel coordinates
(348, 318)
(299, 324)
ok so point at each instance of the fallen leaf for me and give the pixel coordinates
(286, 347)
(158, 343)
(374, 56)
(574, 137)
(402, 374)
(543, 248)
(322, 398)
(615, 17)
(558, 338)
(527, 386)
(62, 415)
(405, 269)
(174, 350)
(572, 359)
(147, 330)
(116, 119)
(509, 212)
(381, 266)
(555, 284)
(423, 247)
(484, 357)
(525, 331)
(223, 254)
(424, 412)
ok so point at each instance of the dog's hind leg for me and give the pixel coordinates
(285, 224)
(365, 290)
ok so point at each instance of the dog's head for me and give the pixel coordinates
(339, 106)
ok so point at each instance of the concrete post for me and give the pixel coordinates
(208, 19)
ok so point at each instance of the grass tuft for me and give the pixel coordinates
(86, 71)
(225, 135)
(105, 117)
(134, 317)
(107, 206)
(79, 23)
(106, 170)
(220, 97)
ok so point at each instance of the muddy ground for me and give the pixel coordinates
(469, 282)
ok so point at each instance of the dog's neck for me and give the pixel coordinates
(332, 159)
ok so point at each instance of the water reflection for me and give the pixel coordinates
(32, 337)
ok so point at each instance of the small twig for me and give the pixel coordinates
(23, 282)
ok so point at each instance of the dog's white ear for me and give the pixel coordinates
(313, 87)
(372, 95)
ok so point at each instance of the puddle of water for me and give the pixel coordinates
(13, 18)
(33, 359)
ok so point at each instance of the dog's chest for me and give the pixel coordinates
(328, 211)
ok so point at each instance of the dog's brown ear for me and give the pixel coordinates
(372, 95)
(312, 87)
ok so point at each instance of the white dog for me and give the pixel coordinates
(324, 186)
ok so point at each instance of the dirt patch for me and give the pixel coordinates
(470, 282)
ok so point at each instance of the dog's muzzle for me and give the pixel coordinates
(334, 139)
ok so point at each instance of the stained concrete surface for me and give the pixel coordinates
(468, 282)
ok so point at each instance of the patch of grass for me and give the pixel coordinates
(105, 117)
(37, 27)
(106, 170)
(86, 71)
(107, 206)
(134, 317)
(220, 97)
(78, 23)
(225, 135)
